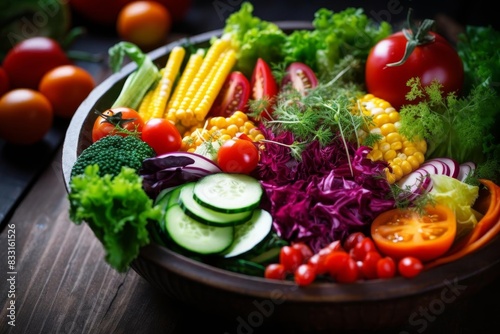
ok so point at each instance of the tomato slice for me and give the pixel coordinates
(233, 96)
(403, 232)
(264, 86)
(300, 77)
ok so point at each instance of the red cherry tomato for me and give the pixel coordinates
(360, 250)
(369, 264)
(305, 274)
(386, 267)
(4, 82)
(410, 266)
(233, 96)
(352, 239)
(275, 271)
(120, 121)
(161, 135)
(106, 12)
(300, 77)
(335, 262)
(28, 61)
(435, 60)
(264, 86)
(306, 251)
(349, 273)
(291, 258)
(238, 156)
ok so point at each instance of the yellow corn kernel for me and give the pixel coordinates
(163, 89)
(144, 106)
(192, 68)
(402, 155)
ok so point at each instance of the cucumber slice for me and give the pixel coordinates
(247, 235)
(205, 215)
(228, 193)
(195, 236)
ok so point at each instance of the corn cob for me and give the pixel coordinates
(209, 78)
(402, 155)
(221, 129)
(161, 93)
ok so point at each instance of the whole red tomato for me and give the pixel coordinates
(106, 12)
(28, 61)
(4, 82)
(432, 58)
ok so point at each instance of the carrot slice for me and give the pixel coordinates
(485, 230)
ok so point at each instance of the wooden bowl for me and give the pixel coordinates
(254, 301)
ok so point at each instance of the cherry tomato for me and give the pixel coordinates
(264, 86)
(403, 232)
(28, 61)
(66, 87)
(386, 267)
(161, 135)
(144, 23)
(434, 60)
(300, 77)
(275, 271)
(352, 239)
(26, 116)
(120, 121)
(238, 156)
(336, 261)
(369, 264)
(106, 12)
(410, 266)
(233, 96)
(360, 250)
(4, 82)
(306, 251)
(305, 274)
(349, 273)
(291, 258)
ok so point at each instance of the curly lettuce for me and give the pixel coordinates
(117, 210)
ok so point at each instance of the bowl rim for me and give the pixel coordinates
(375, 290)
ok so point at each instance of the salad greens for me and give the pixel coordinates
(335, 36)
(116, 209)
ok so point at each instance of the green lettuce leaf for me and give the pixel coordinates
(117, 210)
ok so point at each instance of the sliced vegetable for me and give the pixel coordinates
(230, 193)
(249, 234)
(205, 215)
(232, 97)
(404, 232)
(487, 228)
(264, 87)
(195, 236)
(466, 169)
(300, 77)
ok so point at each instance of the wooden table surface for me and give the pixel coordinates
(60, 282)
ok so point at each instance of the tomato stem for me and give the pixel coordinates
(415, 35)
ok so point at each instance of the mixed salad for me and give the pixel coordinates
(345, 152)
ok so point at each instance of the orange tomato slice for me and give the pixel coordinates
(404, 232)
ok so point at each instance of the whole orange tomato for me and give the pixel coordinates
(144, 23)
(66, 87)
(25, 116)
(106, 12)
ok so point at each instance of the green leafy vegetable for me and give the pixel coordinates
(479, 48)
(137, 83)
(254, 38)
(460, 128)
(116, 209)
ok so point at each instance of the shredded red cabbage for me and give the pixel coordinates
(330, 193)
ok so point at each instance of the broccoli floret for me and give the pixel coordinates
(112, 153)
